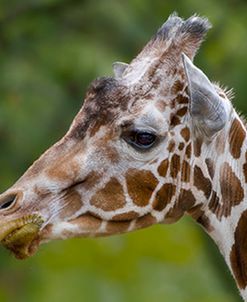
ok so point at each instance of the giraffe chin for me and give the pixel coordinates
(20, 236)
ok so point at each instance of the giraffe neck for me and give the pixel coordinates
(224, 215)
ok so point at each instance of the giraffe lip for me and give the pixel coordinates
(21, 235)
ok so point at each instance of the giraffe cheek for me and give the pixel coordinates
(70, 204)
(140, 184)
(164, 196)
(110, 198)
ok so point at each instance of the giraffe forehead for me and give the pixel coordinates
(105, 100)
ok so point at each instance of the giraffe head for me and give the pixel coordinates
(125, 162)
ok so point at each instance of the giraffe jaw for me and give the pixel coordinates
(20, 235)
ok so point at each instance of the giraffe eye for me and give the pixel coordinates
(141, 139)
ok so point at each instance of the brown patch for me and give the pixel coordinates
(91, 180)
(245, 167)
(231, 189)
(110, 198)
(181, 146)
(141, 184)
(197, 147)
(238, 256)
(171, 146)
(177, 86)
(181, 112)
(220, 143)
(119, 227)
(175, 120)
(185, 172)
(64, 169)
(125, 216)
(164, 196)
(236, 138)
(188, 151)
(214, 205)
(87, 222)
(145, 221)
(198, 214)
(201, 182)
(210, 166)
(163, 167)
(175, 165)
(182, 99)
(185, 133)
(72, 204)
(185, 201)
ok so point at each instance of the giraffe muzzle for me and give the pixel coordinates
(21, 235)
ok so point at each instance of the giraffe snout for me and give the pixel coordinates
(18, 232)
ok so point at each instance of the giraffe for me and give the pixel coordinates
(151, 144)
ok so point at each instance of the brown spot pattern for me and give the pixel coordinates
(177, 86)
(163, 167)
(214, 205)
(245, 167)
(185, 201)
(175, 165)
(110, 198)
(236, 138)
(171, 146)
(141, 184)
(116, 227)
(188, 151)
(182, 99)
(238, 256)
(164, 196)
(231, 189)
(197, 147)
(210, 166)
(181, 112)
(181, 146)
(185, 172)
(64, 169)
(198, 214)
(72, 204)
(201, 182)
(175, 120)
(145, 221)
(125, 216)
(87, 222)
(185, 133)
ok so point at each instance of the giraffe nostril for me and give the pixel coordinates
(8, 201)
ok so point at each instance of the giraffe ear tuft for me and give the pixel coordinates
(207, 108)
(119, 68)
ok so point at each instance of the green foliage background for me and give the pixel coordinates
(50, 50)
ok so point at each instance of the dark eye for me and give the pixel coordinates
(141, 139)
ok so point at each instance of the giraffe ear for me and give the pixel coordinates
(119, 68)
(206, 106)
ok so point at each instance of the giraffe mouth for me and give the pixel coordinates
(20, 236)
